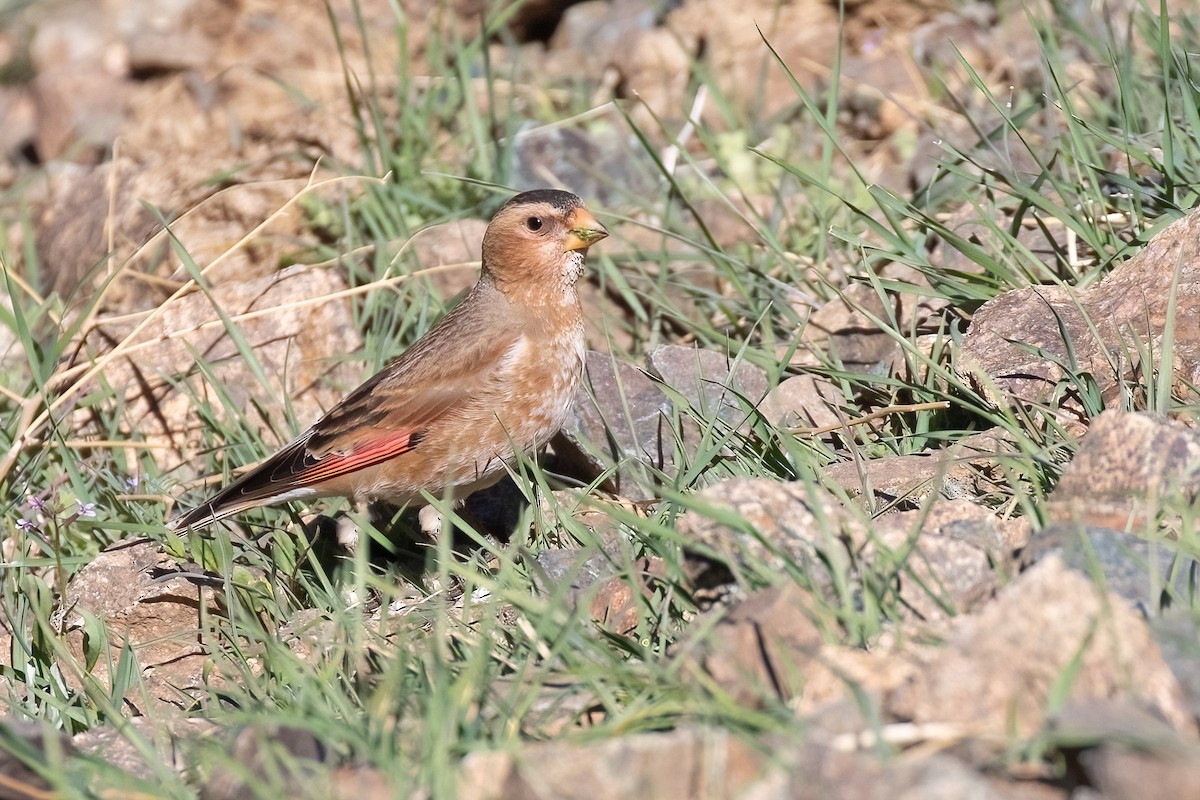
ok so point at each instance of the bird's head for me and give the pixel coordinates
(534, 247)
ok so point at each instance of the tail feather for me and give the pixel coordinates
(296, 472)
(211, 511)
(259, 487)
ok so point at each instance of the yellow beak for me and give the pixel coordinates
(583, 230)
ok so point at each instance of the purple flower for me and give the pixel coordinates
(37, 503)
(25, 525)
(86, 509)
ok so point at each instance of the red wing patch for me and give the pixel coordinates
(316, 469)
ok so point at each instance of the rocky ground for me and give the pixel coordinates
(996, 600)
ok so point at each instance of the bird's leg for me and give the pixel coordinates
(348, 533)
(431, 521)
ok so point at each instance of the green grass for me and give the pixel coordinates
(476, 659)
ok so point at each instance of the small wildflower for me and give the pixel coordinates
(86, 509)
(25, 525)
(132, 482)
(35, 502)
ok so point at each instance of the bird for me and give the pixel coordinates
(494, 379)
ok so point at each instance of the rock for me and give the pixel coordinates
(825, 774)
(1120, 772)
(760, 648)
(83, 206)
(729, 41)
(1128, 468)
(79, 114)
(710, 382)
(80, 92)
(770, 529)
(1023, 345)
(966, 469)
(553, 705)
(1151, 576)
(18, 112)
(619, 427)
(497, 510)
(595, 580)
(81, 203)
(525, 21)
(846, 688)
(708, 762)
(1178, 634)
(616, 606)
(733, 221)
(1000, 669)
(605, 165)
(956, 556)
(1127, 753)
(295, 342)
(284, 757)
(210, 229)
(361, 783)
(902, 481)
(200, 95)
(654, 66)
(156, 739)
(452, 252)
(595, 30)
(808, 401)
(123, 589)
(712, 763)
(27, 751)
(576, 568)
(844, 331)
(161, 36)
(79, 34)
(606, 578)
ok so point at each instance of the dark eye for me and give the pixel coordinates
(534, 223)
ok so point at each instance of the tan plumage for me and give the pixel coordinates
(493, 378)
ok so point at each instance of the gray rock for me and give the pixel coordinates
(286, 758)
(1135, 754)
(605, 166)
(710, 382)
(770, 527)
(593, 579)
(845, 331)
(577, 568)
(1178, 635)
(1150, 575)
(593, 30)
(619, 427)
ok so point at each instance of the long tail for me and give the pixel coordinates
(260, 486)
(295, 472)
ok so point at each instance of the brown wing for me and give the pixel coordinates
(382, 419)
